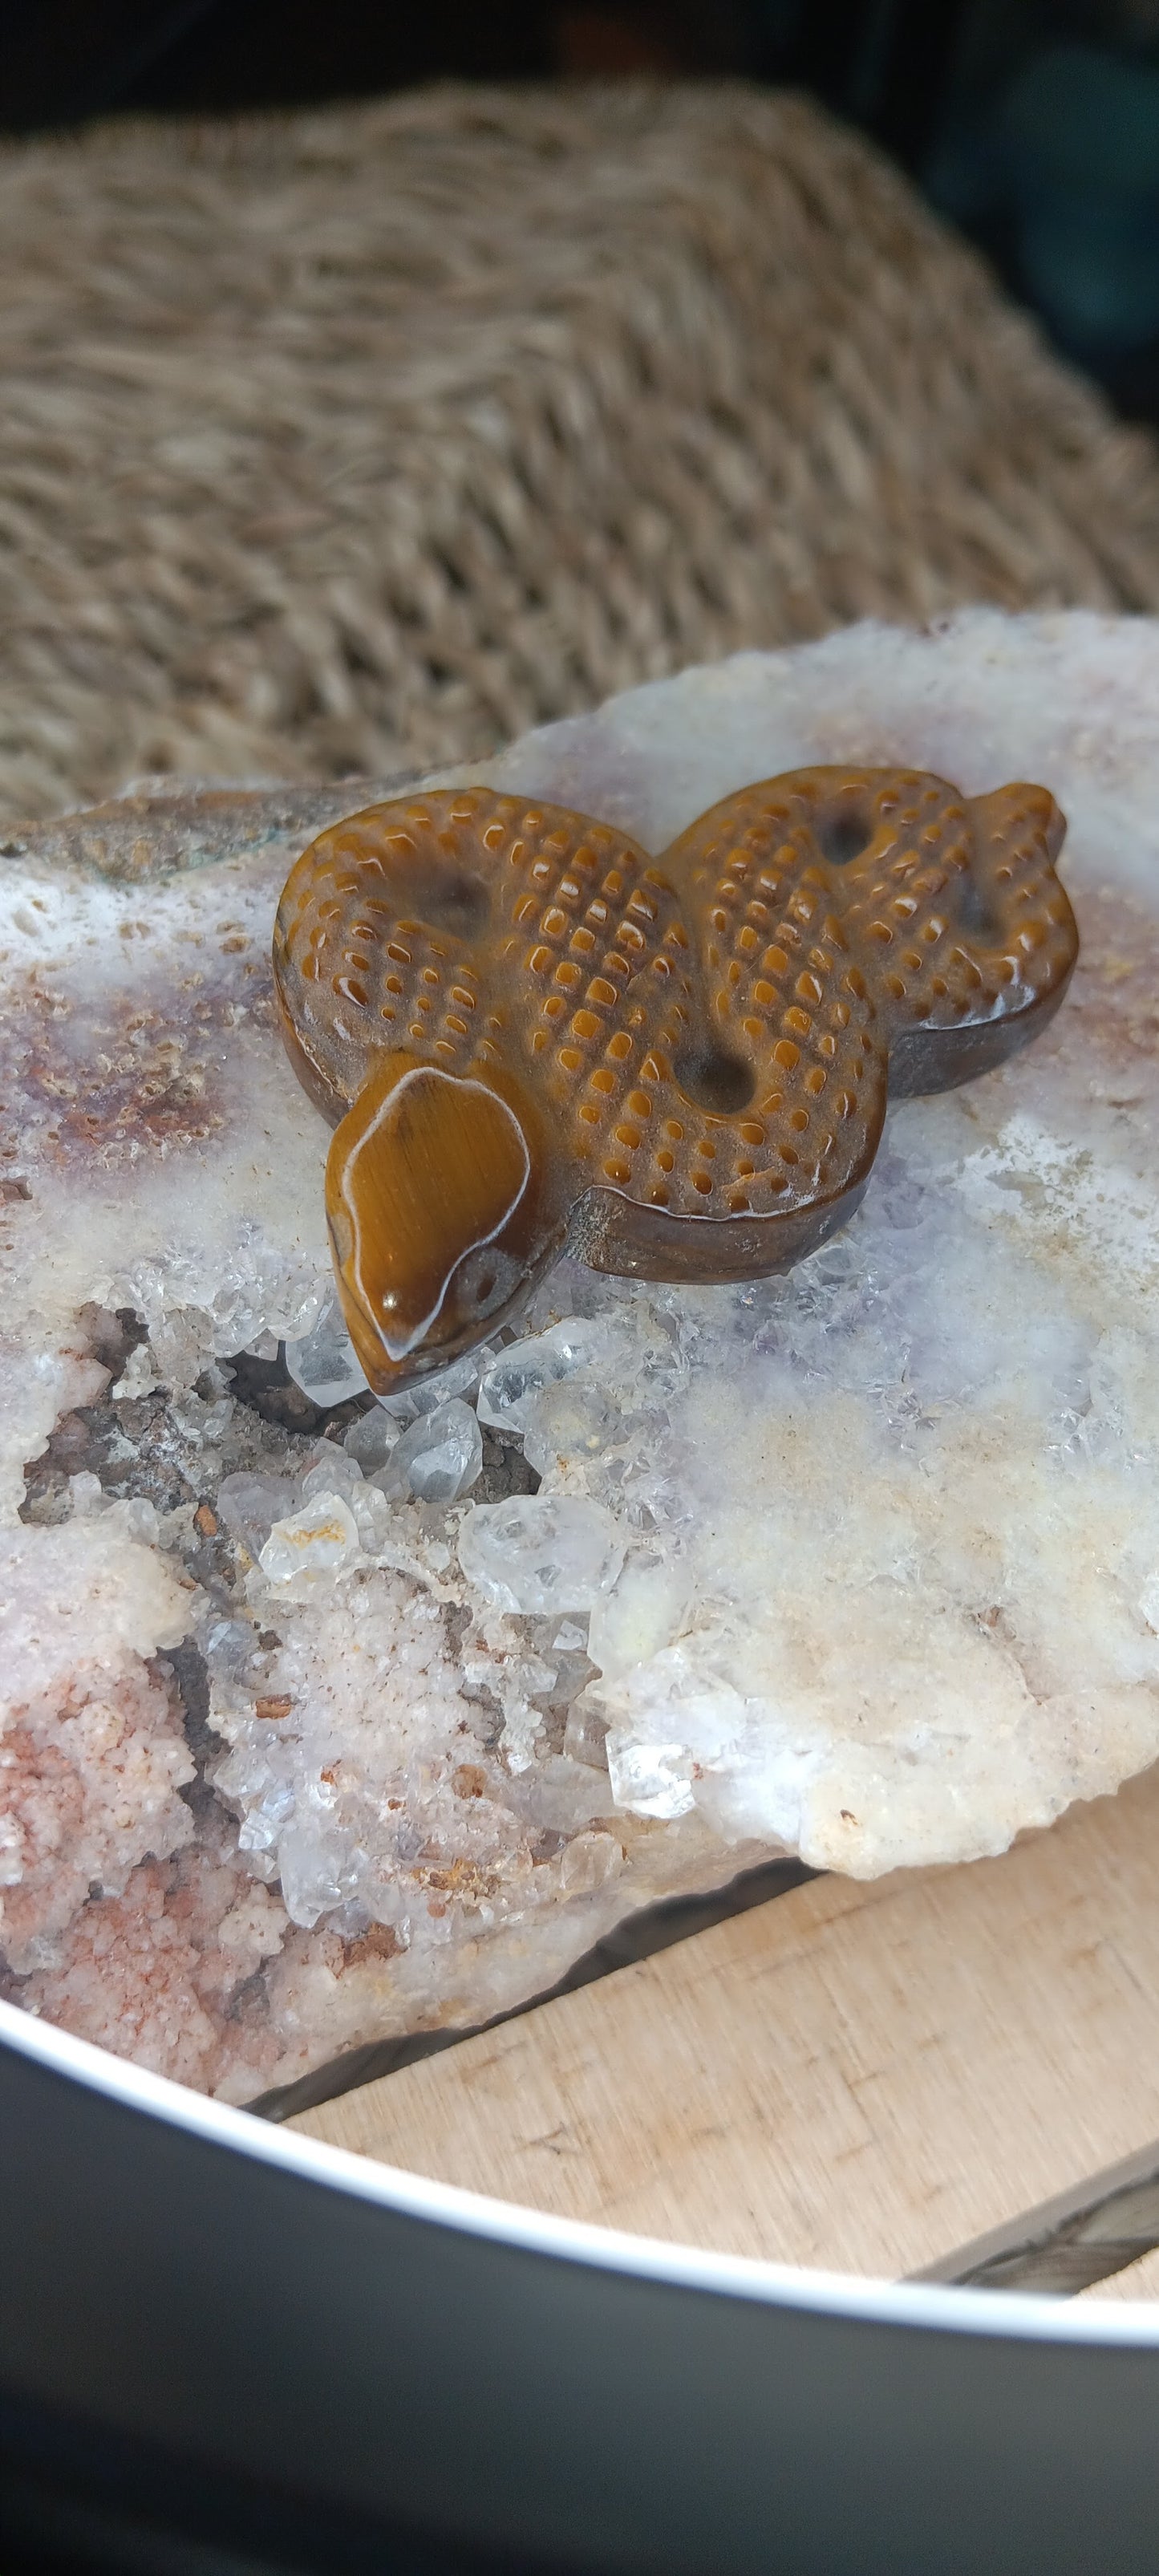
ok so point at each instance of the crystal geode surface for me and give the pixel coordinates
(324, 1723)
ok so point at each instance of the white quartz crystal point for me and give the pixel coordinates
(439, 1458)
(641, 1617)
(333, 1471)
(133, 1514)
(511, 1386)
(426, 1394)
(369, 1441)
(249, 1505)
(321, 1538)
(649, 1779)
(324, 1363)
(541, 1552)
(137, 1517)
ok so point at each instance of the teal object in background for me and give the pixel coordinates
(1066, 160)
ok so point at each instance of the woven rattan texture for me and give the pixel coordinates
(371, 436)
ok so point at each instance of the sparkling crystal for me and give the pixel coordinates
(585, 1735)
(324, 1364)
(511, 1387)
(569, 1419)
(311, 1873)
(228, 1645)
(644, 1613)
(249, 1505)
(439, 1458)
(334, 1472)
(459, 1378)
(203, 1422)
(567, 1665)
(369, 1441)
(268, 1803)
(541, 1552)
(372, 1515)
(137, 1516)
(319, 1539)
(139, 1376)
(588, 1862)
(569, 1638)
(649, 1779)
(181, 1339)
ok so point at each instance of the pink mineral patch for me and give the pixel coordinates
(92, 1749)
(90, 1788)
(153, 1974)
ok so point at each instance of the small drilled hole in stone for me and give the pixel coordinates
(452, 899)
(842, 834)
(714, 1079)
(973, 911)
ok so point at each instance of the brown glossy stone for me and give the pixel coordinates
(528, 1032)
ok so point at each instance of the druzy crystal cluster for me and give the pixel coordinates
(326, 1720)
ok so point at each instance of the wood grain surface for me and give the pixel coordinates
(862, 2077)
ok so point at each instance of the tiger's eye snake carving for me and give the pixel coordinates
(530, 1035)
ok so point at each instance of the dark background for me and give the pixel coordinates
(881, 61)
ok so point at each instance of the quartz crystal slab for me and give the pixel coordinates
(860, 1563)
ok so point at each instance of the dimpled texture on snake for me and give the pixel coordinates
(532, 1035)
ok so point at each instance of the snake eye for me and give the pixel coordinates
(484, 1281)
(843, 833)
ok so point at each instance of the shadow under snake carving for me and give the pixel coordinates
(532, 1036)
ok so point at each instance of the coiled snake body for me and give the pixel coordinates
(529, 1034)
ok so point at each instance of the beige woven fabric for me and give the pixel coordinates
(341, 440)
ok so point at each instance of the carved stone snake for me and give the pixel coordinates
(530, 1035)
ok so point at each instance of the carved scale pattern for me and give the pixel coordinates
(709, 1034)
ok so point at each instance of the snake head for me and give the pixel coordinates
(439, 1214)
